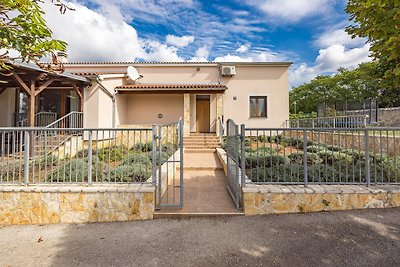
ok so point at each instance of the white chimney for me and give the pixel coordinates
(62, 57)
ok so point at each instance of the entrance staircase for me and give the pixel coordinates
(201, 142)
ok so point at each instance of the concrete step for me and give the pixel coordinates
(200, 147)
(177, 214)
(197, 150)
(200, 143)
(203, 134)
(202, 168)
(201, 139)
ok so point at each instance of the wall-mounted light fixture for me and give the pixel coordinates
(160, 116)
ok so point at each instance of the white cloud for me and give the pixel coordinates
(290, 11)
(243, 48)
(202, 54)
(335, 56)
(337, 49)
(328, 61)
(337, 36)
(147, 10)
(253, 56)
(179, 41)
(232, 58)
(92, 36)
(161, 52)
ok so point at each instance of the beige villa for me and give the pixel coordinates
(202, 94)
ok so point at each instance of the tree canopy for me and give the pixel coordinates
(24, 30)
(379, 22)
(360, 84)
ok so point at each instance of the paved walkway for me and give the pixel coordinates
(356, 238)
(204, 186)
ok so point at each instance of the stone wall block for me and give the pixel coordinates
(74, 207)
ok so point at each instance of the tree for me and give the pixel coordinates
(23, 29)
(379, 21)
(363, 83)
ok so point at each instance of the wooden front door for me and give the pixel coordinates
(203, 115)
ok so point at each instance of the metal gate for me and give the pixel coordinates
(168, 164)
(232, 153)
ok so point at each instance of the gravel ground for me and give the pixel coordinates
(355, 238)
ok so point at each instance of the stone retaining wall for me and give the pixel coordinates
(274, 199)
(75, 204)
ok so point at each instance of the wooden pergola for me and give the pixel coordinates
(32, 80)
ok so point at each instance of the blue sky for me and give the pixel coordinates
(309, 33)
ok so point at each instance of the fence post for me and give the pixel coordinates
(305, 170)
(159, 188)
(90, 158)
(227, 144)
(242, 154)
(367, 160)
(181, 157)
(26, 158)
(154, 155)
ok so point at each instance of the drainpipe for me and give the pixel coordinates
(112, 96)
(219, 73)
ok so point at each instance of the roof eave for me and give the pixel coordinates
(34, 67)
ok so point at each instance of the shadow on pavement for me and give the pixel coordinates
(356, 238)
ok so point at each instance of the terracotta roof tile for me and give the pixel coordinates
(93, 73)
(174, 86)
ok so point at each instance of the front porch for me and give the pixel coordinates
(199, 105)
(34, 97)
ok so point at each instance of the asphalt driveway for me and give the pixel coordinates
(356, 238)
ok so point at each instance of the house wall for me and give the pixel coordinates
(250, 80)
(99, 108)
(144, 108)
(7, 104)
(257, 81)
(91, 107)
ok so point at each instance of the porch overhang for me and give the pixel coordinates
(33, 80)
(146, 88)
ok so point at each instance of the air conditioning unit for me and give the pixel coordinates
(228, 70)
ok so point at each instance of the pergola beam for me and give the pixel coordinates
(2, 90)
(31, 105)
(44, 86)
(77, 90)
(21, 83)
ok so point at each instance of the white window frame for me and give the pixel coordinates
(268, 106)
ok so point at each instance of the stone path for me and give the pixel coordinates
(204, 185)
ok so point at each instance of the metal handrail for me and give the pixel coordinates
(318, 122)
(332, 117)
(24, 122)
(74, 116)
